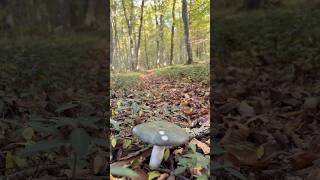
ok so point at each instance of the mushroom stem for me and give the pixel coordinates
(156, 156)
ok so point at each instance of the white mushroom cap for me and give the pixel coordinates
(161, 133)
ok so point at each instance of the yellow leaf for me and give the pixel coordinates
(9, 163)
(153, 174)
(119, 103)
(127, 143)
(112, 178)
(166, 154)
(114, 112)
(20, 162)
(260, 152)
(113, 142)
(28, 133)
(187, 110)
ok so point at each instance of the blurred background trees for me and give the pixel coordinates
(46, 16)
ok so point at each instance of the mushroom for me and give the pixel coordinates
(160, 134)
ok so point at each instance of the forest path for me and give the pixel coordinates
(158, 98)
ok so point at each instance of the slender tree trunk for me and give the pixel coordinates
(186, 30)
(157, 38)
(172, 32)
(180, 50)
(115, 42)
(90, 14)
(130, 27)
(139, 64)
(162, 60)
(146, 52)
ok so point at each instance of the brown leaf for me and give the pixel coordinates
(178, 151)
(303, 159)
(205, 148)
(142, 175)
(314, 174)
(163, 176)
(171, 177)
(243, 153)
(98, 163)
(246, 110)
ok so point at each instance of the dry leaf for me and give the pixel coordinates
(163, 176)
(314, 174)
(178, 152)
(142, 175)
(205, 148)
(98, 163)
(246, 110)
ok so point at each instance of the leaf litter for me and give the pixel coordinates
(267, 121)
(157, 98)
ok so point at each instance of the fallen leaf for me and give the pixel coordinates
(260, 152)
(28, 133)
(153, 174)
(98, 163)
(246, 110)
(314, 174)
(113, 142)
(142, 175)
(166, 154)
(205, 148)
(163, 176)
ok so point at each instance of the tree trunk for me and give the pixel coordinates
(180, 50)
(157, 38)
(162, 60)
(146, 52)
(130, 23)
(186, 30)
(139, 38)
(172, 32)
(90, 14)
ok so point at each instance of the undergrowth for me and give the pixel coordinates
(281, 33)
(124, 80)
(194, 72)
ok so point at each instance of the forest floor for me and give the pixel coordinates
(182, 101)
(267, 119)
(52, 103)
(266, 94)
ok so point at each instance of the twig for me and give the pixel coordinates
(168, 171)
(199, 133)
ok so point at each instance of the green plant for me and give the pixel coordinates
(193, 72)
(193, 160)
(122, 171)
(61, 132)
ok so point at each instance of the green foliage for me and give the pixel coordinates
(124, 80)
(122, 171)
(280, 33)
(192, 160)
(80, 141)
(194, 72)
